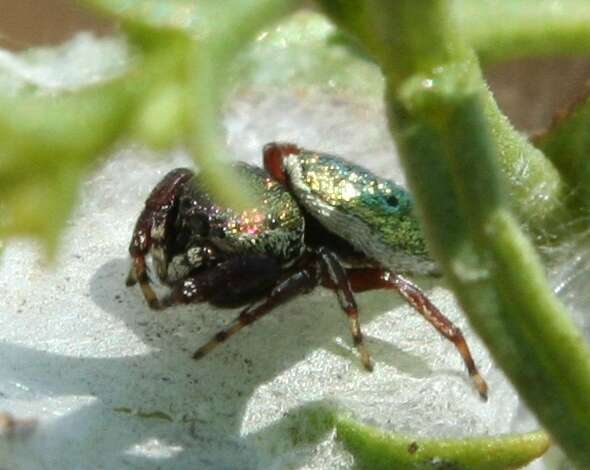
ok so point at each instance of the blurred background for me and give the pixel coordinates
(27, 23)
(529, 91)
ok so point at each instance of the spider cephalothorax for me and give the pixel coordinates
(321, 221)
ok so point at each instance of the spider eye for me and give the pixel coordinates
(392, 201)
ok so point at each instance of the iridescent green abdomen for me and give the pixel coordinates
(373, 214)
(275, 227)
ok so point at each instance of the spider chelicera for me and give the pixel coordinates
(321, 221)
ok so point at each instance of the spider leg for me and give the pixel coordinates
(363, 279)
(296, 283)
(335, 277)
(138, 273)
(150, 228)
(131, 278)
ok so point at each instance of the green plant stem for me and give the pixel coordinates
(536, 191)
(528, 28)
(492, 268)
(440, 117)
(375, 450)
(567, 143)
(188, 59)
(206, 84)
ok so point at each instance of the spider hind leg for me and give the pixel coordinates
(363, 279)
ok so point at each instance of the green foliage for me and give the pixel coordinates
(509, 29)
(452, 149)
(46, 146)
(567, 144)
(181, 56)
(377, 450)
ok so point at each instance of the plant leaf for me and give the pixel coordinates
(377, 450)
(46, 144)
(216, 30)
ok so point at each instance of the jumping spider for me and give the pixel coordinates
(322, 221)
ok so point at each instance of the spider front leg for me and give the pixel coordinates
(296, 283)
(363, 279)
(150, 230)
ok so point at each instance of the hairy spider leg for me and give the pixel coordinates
(138, 273)
(339, 282)
(363, 279)
(299, 282)
(333, 273)
(324, 265)
(150, 230)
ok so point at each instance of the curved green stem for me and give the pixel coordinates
(208, 37)
(392, 33)
(375, 450)
(449, 134)
(527, 27)
(567, 143)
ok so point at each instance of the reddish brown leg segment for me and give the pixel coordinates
(335, 276)
(372, 278)
(150, 227)
(138, 273)
(297, 283)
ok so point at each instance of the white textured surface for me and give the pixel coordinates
(78, 347)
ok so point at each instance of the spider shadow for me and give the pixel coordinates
(205, 400)
(257, 354)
